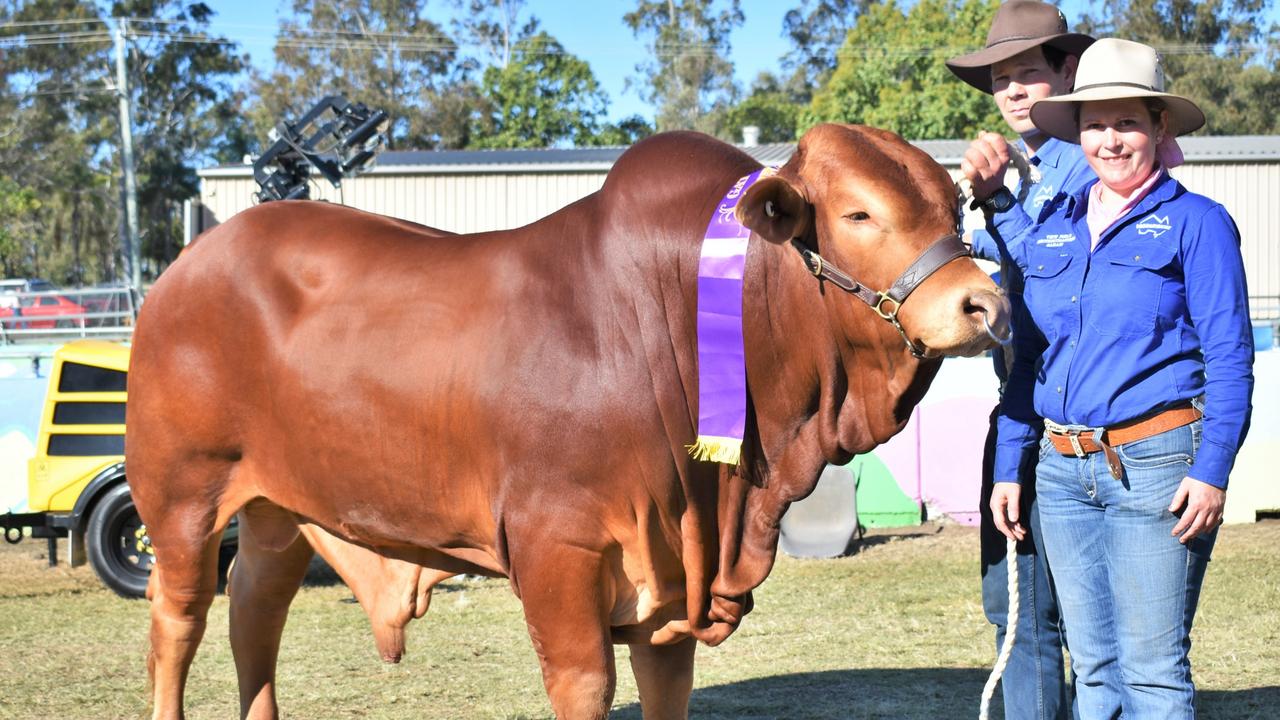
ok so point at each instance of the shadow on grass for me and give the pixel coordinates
(1261, 703)
(844, 694)
(903, 694)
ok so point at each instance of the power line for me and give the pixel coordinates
(46, 23)
(429, 43)
(54, 39)
(76, 90)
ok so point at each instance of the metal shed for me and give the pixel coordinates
(477, 190)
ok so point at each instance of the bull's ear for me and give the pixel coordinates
(774, 209)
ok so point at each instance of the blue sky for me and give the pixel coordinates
(593, 31)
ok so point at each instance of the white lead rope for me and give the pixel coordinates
(1011, 628)
(1028, 175)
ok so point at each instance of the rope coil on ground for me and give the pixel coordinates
(1011, 629)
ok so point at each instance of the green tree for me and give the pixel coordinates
(493, 25)
(18, 206)
(186, 109)
(544, 96)
(384, 53)
(1220, 54)
(817, 29)
(532, 92)
(61, 209)
(891, 72)
(770, 107)
(689, 79)
(626, 131)
(59, 200)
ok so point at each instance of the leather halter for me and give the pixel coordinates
(886, 304)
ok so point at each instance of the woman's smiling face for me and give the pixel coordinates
(1119, 140)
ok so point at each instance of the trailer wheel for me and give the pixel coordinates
(117, 545)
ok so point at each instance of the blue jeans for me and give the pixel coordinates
(1034, 683)
(1127, 587)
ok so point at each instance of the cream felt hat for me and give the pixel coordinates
(1113, 69)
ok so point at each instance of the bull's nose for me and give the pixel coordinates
(995, 314)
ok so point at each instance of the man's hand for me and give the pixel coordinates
(984, 164)
(1198, 506)
(1006, 509)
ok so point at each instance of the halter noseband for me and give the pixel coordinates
(886, 304)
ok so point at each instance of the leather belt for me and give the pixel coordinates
(1081, 443)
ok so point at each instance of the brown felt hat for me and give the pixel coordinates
(1019, 25)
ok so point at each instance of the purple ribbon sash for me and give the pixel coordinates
(722, 373)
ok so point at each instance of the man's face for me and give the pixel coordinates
(1022, 80)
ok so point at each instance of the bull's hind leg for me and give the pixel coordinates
(183, 583)
(268, 570)
(664, 676)
(562, 588)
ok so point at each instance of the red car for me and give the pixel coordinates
(42, 312)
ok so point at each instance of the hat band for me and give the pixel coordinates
(1015, 38)
(1139, 86)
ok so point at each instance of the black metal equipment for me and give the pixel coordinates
(355, 137)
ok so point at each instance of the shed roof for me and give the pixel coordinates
(1207, 149)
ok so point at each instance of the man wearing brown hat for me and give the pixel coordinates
(1029, 56)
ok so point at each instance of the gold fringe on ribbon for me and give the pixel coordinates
(710, 448)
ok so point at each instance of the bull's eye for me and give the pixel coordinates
(858, 216)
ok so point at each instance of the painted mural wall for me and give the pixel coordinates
(22, 389)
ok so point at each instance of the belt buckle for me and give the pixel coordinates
(1073, 436)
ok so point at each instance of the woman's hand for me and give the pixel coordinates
(1006, 510)
(1198, 506)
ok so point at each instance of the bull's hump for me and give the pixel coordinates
(664, 173)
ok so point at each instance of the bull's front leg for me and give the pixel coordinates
(664, 676)
(563, 589)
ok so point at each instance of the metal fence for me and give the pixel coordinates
(54, 316)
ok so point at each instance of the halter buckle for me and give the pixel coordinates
(879, 307)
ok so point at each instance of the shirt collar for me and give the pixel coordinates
(1163, 189)
(1050, 152)
(1101, 218)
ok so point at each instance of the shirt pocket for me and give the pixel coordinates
(1041, 292)
(1128, 290)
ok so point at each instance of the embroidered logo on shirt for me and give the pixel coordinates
(1056, 240)
(1044, 193)
(1154, 225)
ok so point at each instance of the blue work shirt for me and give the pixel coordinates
(1063, 170)
(1156, 315)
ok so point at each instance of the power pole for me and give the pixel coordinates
(132, 252)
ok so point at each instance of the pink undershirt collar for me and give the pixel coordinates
(1101, 216)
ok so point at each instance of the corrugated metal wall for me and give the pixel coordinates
(456, 202)
(475, 202)
(1251, 193)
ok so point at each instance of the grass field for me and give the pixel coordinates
(895, 631)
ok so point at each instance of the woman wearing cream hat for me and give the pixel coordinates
(1145, 383)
